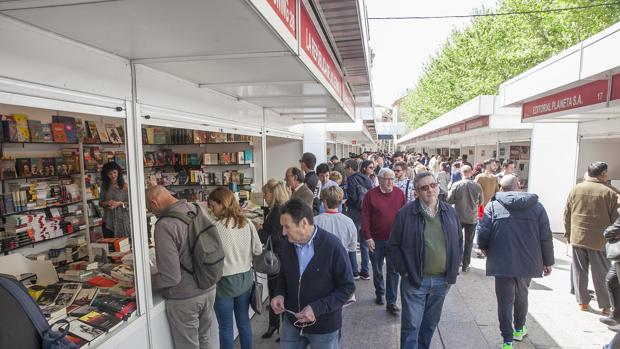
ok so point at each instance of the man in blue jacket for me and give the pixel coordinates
(315, 281)
(516, 238)
(426, 248)
(358, 184)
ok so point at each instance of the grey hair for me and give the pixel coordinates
(385, 170)
(418, 177)
(466, 169)
(509, 183)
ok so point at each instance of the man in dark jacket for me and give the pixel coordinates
(426, 247)
(612, 233)
(358, 185)
(307, 164)
(516, 238)
(315, 281)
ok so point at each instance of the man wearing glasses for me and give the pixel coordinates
(315, 281)
(426, 248)
(378, 212)
(403, 182)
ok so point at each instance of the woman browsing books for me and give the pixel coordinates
(114, 199)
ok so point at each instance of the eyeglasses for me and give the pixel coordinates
(387, 179)
(427, 187)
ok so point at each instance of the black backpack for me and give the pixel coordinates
(49, 339)
(205, 246)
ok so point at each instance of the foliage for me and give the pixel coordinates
(490, 50)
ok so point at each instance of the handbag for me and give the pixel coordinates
(256, 297)
(267, 262)
(612, 250)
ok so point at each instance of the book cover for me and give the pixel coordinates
(150, 135)
(61, 167)
(144, 136)
(248, 156)
(92, 133)
(58, 132)
(119, 306)
(115, 138)
(101, 320)
(49, 294)
(9, 129)
(67, 293)
(120, 159)
(80, 129)
(46, 133)
(241, 157)
(69, 125)
(121, 133)
(159, 135)
(21, 121)
(198, 136)
(160, 158)
(103, 135)
(149, 159)
(23, 167)
(8, 168)
(76, 340)
(36, 133)
(86, 296)
(36, 167)
(84, 331)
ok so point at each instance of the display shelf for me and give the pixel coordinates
(201, 185)
(33, 243)
(195, 166)
(68, 176)
(23, 143)
(44, 208)
(170, 144)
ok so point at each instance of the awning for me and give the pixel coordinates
(271, 54)
(475, 118)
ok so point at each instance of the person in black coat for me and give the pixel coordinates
(612, 234)
(275, 195)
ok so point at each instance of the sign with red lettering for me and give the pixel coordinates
(312, 44)
(443, 132)
(592, 93)
(615, 87)
(478, 122)
(458, 128)
(287, 12)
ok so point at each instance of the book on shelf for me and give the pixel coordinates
(92, 134)
(248, 156)
(101, 320)
(160, 136)
(79, 342)
(86, 296)
(46, 132)
(121, 132)
(8, 168)
(120, 307)
(58, 132)
(80, 130)
(69, 126)
(21, 122)
(121, 159)
(115, 138)
(9, 131)
(49, 294)
(85, 331)
(23, 167)
(54, 312)
(36, 133)
(103, 134)
(67, 293)
(150, 135)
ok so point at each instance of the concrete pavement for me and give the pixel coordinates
(469, 318)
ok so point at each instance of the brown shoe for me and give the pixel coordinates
(584, 307)
(606, 311)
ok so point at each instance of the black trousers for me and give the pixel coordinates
(613, 288)
(470, 231)
(274, 320)
(512, 302)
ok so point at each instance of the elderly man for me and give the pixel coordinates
(189, 308)
(426, 248)
(315, 281)
(591, 207)
(378, 212)
(516, 237)
(294, 179)
(466, 196)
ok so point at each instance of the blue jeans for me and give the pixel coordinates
(224, 308)
(291, 339)
(353, 260)
(421, 311)
(391, 286)
(363, 249)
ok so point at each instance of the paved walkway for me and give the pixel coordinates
(469, 317)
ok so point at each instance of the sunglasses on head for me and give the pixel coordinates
(427, 187)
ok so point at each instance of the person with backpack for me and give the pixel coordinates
(241, 243)
(188, 286)
(358, 185)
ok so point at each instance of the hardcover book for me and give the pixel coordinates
(115, 138)
(100, 320)
(36, 167)
(49, 294)
(48, 167)
(92, 134)
(46, 133)
(36, 132)
(23, 167)
(84, 331)
(68, 123)
(8, 168)
(86, 296)
(67, 293)
(21, 120)
(9, 129)
(58, 132)
(103, 135)
(121, 133)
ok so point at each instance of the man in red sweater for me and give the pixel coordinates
(380, 206)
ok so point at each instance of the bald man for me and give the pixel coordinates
(189, 308)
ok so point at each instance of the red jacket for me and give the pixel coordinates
(378, 212)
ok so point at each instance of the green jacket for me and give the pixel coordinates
(591, 207)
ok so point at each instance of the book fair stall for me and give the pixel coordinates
(479, 129)
(189, 114)
(575, 117)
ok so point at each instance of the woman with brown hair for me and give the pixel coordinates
(240, 242)
(276, 196)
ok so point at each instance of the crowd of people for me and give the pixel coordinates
(415, 214)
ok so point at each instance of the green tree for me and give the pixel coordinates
(490, 50)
